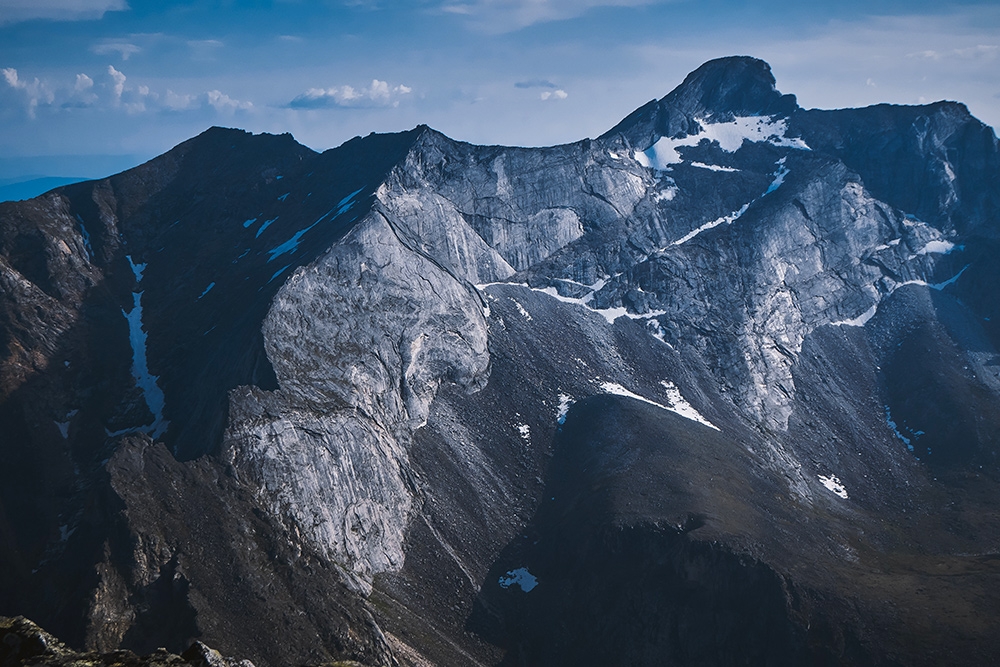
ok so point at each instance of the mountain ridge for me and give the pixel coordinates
(392, 366)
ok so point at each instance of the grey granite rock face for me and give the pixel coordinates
(486, 212)
(360, 341)
(825, 253)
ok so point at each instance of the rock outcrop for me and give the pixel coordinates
(24, 643)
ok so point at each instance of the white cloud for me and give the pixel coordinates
(378, 94)
(224, 103)
(977, 52)
(117, 83)
(175, 102)
(559, 94)
(113, 94)
(32, 93)
(499, 16)
(83, 82)
(15, 11)
(83, 94)
(124, 49)
(988, 51)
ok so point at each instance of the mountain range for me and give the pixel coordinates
(720, 386)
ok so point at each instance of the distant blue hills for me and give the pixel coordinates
(32, 186)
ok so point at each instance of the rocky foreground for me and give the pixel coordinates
(22, 643)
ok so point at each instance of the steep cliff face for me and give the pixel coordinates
(360, 342)
(729, 367)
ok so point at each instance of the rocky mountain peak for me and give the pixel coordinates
(718, 91)
(732, 86)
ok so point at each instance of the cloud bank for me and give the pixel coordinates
(16, 11)
(500, 16)
(378, 94)
(110, 91)
(124, 49)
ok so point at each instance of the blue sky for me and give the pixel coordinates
(82, 81)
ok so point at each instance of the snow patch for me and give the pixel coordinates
(114, 434)
(860, 320)
(292, 244)
(137, 269)
(863, 318)
(666, 194)
(939, 247)
(724, 220)
(144, 380)
(63, 429)
(730, 137)
(834, 485)
(656, 331)
(247, 223)
(682, 407)
(283, 197)
(347, 202)
(276, 274)
(86, 238)
(519, 577)
(895, 429)
(677, 403)
(610, 314)
(524, 313)
(267, 223)
(207, 289)
(938, 286)
(525, 432)
(779, 177)
(565, 401)
(712, 167)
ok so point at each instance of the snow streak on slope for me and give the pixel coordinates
(145, 380)
(610, 314)
(565, 401)
(779, 178)
(724, 220)
(863, 318)
(678, 404)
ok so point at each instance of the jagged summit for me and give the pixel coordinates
(732, 86)
(719, 90)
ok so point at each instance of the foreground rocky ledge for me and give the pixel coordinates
(24, 643)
